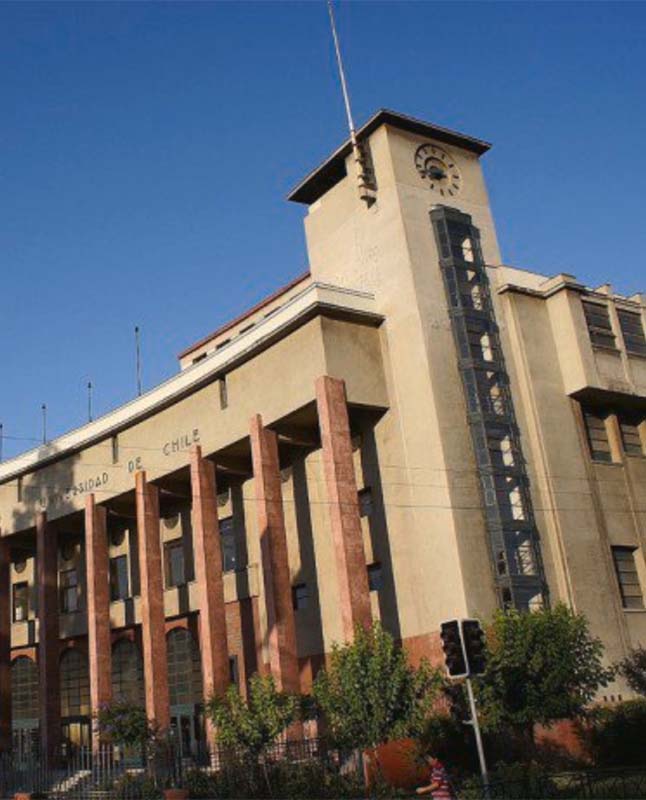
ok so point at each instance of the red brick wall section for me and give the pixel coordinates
(281, 633)
(152, 602)
(5, 646)
(48, 633)
(98, 608)
(208, 576)
(345, 522)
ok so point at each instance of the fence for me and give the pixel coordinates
(617, 784)
(109, 772)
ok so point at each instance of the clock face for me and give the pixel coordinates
(438, 168)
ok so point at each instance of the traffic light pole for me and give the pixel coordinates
(476, 730)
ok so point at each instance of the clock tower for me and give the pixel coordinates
(426, 248)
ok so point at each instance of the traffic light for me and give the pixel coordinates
(474, 646)
(452, 646)
(456, 701)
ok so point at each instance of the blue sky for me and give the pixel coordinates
(146, 150)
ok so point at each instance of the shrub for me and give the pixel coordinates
(251, 724)
(633, 668)
(136, 787)
(125, 724)
(615, 735)
(370, 694)
(541, 667)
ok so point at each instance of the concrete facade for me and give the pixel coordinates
(315, 464)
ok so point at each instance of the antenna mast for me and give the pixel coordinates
(138, 359)
(365, 183)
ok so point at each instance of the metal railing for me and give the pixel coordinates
(610, 784)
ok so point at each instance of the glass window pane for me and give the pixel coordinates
(24, 689)
(184, 668)
(119, 578)
(127, 673)
(228, 543)
(20, 602)
(75, 684)
(175, 574)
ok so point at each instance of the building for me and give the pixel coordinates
(410, 431)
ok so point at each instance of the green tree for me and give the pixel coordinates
(541, 667)
(251, 724)
(125, 724)
(633, 668)
(370, 694)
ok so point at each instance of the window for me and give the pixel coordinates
(20, 601)
(633, 332)
(595, 425)
(375, 576)
(598, 321)
(630, 436)
(365, 502)
(69, 591)
(119, 581)
(75, 684)
(300, 596)
(115, 449)
(174, 559)
(228, 543)
(631, 593)
(234, 673)
(224, 396)
(24, 689)
(184, 668)
(127, 673)
(199, 358)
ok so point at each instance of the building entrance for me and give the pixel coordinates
(187, 725)
(76, 733)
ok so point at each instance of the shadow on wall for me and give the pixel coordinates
(377, 521)
(51, 489)
(308, 574)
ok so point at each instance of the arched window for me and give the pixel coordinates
(75, 684)
(24, 689)
(127, 674)
(184, 669)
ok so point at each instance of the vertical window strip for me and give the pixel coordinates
(595, 425)
(632, 329)
(597, 319)
(626, 569)
(630, 436)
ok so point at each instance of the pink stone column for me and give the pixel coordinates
(98, 609)
(208, 578)
(5, 646)
(345, 521)
(281, 627)
(153, 633)
(48, 636)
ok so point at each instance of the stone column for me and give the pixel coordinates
(208, 576)
(5, 646)
(153, 632)
(281, 627)
(345, 521)
(48, 636)
(98, 609)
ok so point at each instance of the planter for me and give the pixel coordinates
(397, 764)
(175, 794)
